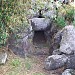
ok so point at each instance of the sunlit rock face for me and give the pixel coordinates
(67, 44)
(55, 61)
(66, 51)
(66, 39)
(40, 23)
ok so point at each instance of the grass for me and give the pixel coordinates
(12, 73)
(28, 64)
(15, 62)
(17, 66)
(61, 22)
(38, 73)
(20, 66)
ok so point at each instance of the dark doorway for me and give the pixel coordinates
(39, 37)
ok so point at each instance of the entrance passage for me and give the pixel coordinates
(39, 38)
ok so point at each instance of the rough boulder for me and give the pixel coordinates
(67, 40)
(55, 61)
(40, 23)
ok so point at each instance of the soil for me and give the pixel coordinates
(34, 61)
(33, 64)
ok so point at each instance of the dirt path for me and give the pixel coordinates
(32, 65)
(38, 67)
(40, 53)
(38, 59)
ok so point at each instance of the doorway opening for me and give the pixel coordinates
(39, 37)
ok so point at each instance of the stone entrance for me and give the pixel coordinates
(39, 37)
(40, 27)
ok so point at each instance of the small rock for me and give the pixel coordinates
(55, 61)
(3, 57)
(69, 72)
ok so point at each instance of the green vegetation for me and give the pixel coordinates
(28, 64)
(65, 16)
(6, 10)
(12, 18)
(14, 15)
(15, 62)
(38, 73)
(14, 65)
(60, 21)
(69, 16)
(13, 73)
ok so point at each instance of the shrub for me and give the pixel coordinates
(6, 10)
(69, 15)
(15, 62)
(60, 21)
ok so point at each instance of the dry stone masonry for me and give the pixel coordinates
(40, 23)
(64, 56)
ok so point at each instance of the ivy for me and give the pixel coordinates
(6, 9)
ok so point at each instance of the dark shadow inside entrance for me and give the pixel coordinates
(39, 38)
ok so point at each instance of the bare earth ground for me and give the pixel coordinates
(32, 65)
